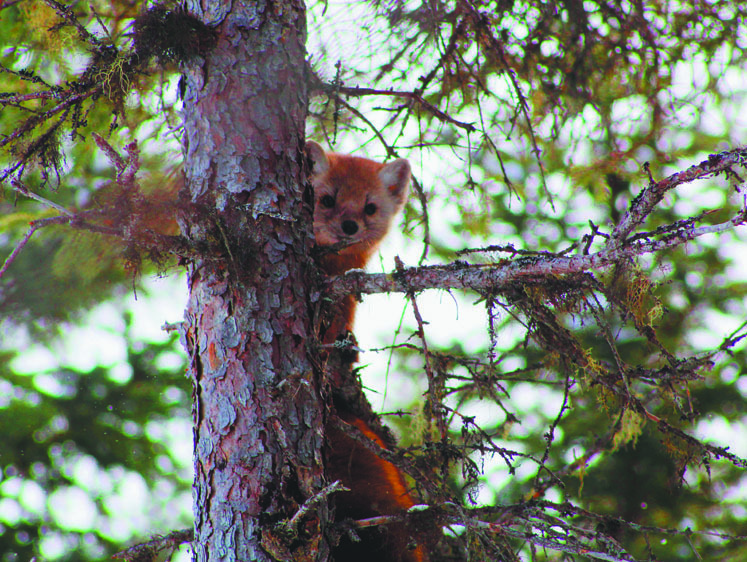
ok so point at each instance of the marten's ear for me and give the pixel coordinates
(319, 161)
(396, 178)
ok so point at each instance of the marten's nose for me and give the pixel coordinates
(349, 227)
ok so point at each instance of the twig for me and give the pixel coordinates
(733, 338)
(67, 14)
(42, 117)
(148, 550)
(317, 498)
(645, 202)
(550, 438)
(358, 92)
(482, 27)
(433, 382)
(21, 188)
(111, 154)
(17, 250)
(20, 98)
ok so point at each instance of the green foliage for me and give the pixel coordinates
(529, 127)
(65, 270)
(87, 436)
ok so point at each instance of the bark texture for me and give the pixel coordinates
(257, 408)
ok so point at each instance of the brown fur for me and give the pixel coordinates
(377, 487)
(345, 188)
(353, 183)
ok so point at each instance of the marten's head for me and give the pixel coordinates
(355, 200)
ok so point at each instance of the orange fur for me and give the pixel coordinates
(377, 487)
(355, 200)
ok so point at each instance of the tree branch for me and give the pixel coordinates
(291, 525)
(19, 247)
(149, 550)
(645, 202)
(334, 89)
(21, 188)
(484, 277)
(71, 19)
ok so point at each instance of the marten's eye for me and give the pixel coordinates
(327, 201)
(369, 209)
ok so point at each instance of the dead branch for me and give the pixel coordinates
(21, 188)
(490, 277)
(619, 248)
(645, 202)
(19, 247)
(148, 550)
(333, 89)
(318, 498)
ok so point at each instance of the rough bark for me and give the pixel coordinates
(257, 408)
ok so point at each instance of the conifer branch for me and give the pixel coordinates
(498, 277)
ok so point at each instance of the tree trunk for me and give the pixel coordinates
(257, 408)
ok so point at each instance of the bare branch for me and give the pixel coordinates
(331, 89)
(481, 26)
(435, 384)
(21, 188)
(148, 550)
(112, 155)
(126, 168)
(309, 504)
(490, 277)
(642, 205)
(19, 247)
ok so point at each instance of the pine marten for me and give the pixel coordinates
(355, 200)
